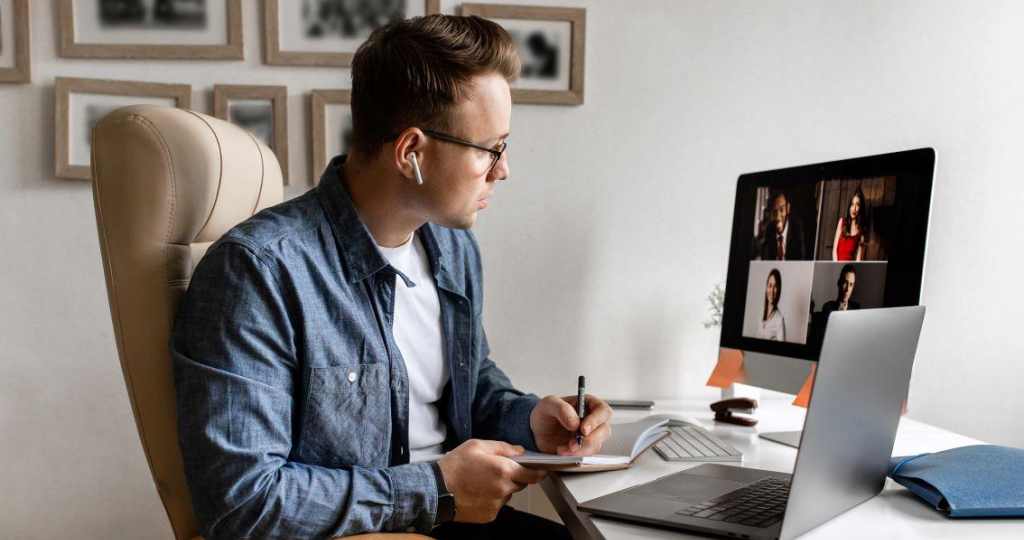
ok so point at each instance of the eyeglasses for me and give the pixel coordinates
(495, 153)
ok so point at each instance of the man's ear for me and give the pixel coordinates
(410, 142)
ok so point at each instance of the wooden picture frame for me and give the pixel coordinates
(20, 72)
(319, 101)
(277, 137)
(577, 19)
(274, 55)
(180, 94)
(70, 47)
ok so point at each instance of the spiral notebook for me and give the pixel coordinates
(620, 450)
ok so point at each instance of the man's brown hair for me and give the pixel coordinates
(412, 72)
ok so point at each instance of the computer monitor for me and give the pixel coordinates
(813, 239)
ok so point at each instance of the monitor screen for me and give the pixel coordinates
(810, 240)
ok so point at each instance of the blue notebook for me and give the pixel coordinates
(972, 481)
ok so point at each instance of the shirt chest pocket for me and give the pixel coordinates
(347, 417)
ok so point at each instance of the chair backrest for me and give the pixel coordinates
(167, 183)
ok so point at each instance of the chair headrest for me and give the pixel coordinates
(214, 174)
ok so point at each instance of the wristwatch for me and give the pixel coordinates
(445, 500)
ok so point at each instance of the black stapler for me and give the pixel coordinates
(725, 409)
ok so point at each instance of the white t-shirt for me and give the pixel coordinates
(774, 328)
(417, 331)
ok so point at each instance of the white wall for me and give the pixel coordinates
(600, 249)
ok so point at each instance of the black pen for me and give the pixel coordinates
(581, 407)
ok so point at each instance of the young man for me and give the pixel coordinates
(784, 238)
(331, 348)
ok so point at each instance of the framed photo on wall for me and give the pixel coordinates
(15, 58)
(263, 110)
(151, 29)
(328, 32)
(331, 127)
(82, 102)
(551, 42)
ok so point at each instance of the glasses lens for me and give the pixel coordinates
(495, 158)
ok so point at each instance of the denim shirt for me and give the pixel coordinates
(292, 396)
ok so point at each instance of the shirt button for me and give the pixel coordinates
(352, 376)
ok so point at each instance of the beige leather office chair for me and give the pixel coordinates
(167, 183)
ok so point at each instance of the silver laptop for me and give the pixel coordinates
(861, 383)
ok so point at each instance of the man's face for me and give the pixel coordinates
(457, 180)
(780, 212)
(846, 284)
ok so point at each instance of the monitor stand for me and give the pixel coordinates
(788, 438)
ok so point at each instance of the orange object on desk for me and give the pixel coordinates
(728, 370)
(803, 398)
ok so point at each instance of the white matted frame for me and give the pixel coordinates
(331, 117)
(277, 96)
(71, 161)
(278, 53)
(69, 45)
(15, 42)
(571, 92)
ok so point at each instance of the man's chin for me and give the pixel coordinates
(460, 222)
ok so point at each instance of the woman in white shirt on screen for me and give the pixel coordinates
(773, 325)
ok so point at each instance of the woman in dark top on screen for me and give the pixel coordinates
(849, 242)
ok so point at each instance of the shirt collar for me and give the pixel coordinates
(359, 253)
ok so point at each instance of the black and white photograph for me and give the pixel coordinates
(81, 103)
(15, 62)
(544, 49)
(551, 43)
(259, 109)
(339, 130)
(330, 129)
(254, 115)
(151, 29)
(328, 32)
(348, 19)
(153, 14)
(778, 301)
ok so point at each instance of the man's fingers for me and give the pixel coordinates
(598, 413)
(501, 448)
(524, 476)
(565, 413)
(592, 443)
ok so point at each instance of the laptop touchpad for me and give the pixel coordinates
(687, 488)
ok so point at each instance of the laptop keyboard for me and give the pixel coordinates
(759, 504)
(694, 443)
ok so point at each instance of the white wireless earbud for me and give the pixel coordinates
(416, 169)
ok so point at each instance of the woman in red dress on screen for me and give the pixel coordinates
(849, 243)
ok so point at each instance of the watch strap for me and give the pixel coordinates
(445, 500)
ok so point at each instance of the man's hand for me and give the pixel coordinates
(481, 478)
(554, 423)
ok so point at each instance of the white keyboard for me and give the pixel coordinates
(694, 443)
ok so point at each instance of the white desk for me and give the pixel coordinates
(896, 513)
